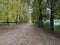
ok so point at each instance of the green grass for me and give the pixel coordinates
(3, 25)
(46, 26)
(57, 29)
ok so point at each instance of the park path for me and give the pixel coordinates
(26, 34)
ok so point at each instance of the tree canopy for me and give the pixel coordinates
(13, 9)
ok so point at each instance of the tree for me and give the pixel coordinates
(52, 5)
(11, 8)
(40, 12)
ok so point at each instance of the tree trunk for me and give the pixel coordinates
(52, 16)
(16, 19)
(7, 21)
(19, 19)
(41, 18)
(52, 22)
(40, 11)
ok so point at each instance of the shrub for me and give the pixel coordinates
(57, 28)
(46, 26)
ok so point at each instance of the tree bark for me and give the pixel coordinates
(16, 19)
(52, 16)
(7, 21)
(41, 18)
(40, 11)
(19, 19)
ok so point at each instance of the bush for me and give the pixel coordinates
(57, 28)
(46, 26)
(3, 24)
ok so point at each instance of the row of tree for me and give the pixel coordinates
(45, 9)
(14, 11)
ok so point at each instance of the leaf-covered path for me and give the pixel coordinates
(26, 34)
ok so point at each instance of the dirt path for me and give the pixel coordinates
(26, 34)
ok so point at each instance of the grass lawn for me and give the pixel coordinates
(3, 25)
(57, 28)
(46, 26)
(56, 33)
